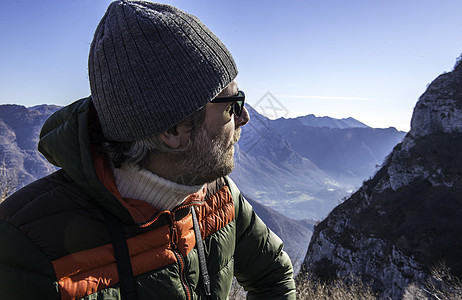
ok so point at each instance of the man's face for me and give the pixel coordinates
(207, 159)
(212, 153)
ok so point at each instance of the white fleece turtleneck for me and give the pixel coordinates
(135, 182)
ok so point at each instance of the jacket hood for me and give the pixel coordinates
(65, 142)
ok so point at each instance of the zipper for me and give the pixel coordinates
(153, 219)
(174, 239)
(179, 257)
(171, 214)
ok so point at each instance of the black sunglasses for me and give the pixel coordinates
(238, 102)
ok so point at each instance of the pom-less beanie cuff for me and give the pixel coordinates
(151, 66)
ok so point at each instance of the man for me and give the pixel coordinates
(142, 207)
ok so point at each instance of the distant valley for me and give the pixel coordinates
(304, 167)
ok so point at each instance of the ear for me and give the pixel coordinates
(177, 136)
(171, 138)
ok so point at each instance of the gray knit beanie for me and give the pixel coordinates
(151, 66)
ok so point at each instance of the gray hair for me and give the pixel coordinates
(135, 151)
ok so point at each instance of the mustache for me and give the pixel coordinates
(236, 136)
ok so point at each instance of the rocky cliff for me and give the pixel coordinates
(408, 217)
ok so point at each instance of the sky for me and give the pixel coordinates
(366, 59)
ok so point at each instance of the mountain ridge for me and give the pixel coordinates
(313, 121)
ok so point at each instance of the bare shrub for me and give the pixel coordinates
(440, 285)
(414, 292)
(9, 182)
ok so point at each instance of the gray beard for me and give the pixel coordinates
(206, 160)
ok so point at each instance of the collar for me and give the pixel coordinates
(135, 182)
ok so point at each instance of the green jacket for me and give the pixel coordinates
(55, 244)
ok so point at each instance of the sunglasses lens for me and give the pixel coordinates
(238, 106)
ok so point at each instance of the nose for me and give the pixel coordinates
(243, 119)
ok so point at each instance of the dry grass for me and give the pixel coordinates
(314, 290)
(347, 289)
(441, 285)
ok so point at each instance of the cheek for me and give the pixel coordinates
(228, 133)
(224, 135)
(218, 124)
